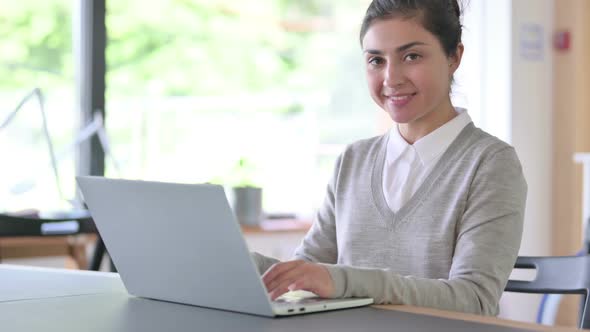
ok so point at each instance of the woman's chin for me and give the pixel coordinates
(399, 117)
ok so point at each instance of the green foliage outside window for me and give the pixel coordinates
(173, 48)
(266, 80)
(36, 47)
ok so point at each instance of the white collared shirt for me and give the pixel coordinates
(406, 166)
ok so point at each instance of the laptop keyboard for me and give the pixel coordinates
(297, 298)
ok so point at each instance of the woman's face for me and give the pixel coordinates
(407, 70)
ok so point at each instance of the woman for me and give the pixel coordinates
(429, 214)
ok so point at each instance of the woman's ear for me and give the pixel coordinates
(455, 59)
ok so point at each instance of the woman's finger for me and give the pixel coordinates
(277, 269)
(281, 289)
(286, 276)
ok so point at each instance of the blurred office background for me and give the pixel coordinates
(189, 88)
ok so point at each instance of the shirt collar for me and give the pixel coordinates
(432, 145)
(396, 145)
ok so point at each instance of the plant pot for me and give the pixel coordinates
(247, 205)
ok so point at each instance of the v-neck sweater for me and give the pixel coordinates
(406, 165)
(451, 246)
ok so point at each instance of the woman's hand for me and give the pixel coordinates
(298, 275)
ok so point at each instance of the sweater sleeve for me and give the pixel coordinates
(487, 243)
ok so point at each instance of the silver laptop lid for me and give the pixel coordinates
(176, 242)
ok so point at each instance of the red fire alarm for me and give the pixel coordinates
(561, 40)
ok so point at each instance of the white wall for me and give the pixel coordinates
(531, 102)
(531, 114)
(484, 77)
(507, 73)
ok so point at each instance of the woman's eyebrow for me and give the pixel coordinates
(399, 49)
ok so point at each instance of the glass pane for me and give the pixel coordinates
(36, 52)
(195, 87)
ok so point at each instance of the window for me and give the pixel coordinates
(36, 52)
(193, 87)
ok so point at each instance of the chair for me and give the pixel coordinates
(557, 275)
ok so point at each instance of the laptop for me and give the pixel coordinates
(181, 243)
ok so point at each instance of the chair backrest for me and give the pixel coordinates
(557, 275)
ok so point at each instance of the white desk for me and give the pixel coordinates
(33, 299)
(23, 283)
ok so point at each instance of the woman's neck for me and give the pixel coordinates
(415, 130)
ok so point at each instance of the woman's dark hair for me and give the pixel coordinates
(439, 17)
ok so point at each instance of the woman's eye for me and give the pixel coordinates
(412, 57)
(375, 61)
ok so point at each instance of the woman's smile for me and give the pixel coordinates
(399, 100)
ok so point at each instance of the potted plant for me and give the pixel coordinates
(247, 195)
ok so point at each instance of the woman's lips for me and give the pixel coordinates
(400, 100)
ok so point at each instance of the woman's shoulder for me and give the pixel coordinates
(483, 145)
(484, 141)
(366, 146)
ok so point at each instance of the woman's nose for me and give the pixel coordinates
(393, 77)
